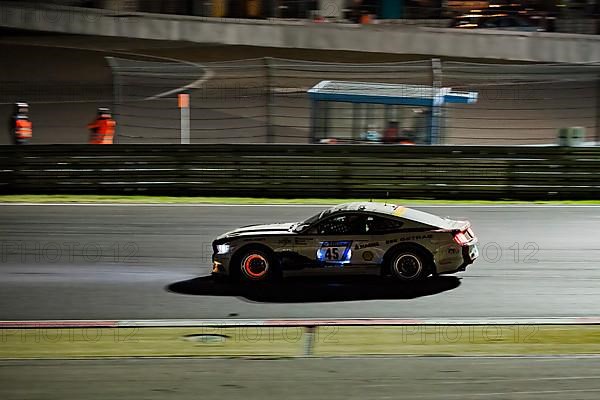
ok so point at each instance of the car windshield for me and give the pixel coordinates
(309, 221)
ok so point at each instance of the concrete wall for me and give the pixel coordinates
(118, 5)
(578, 25)
(523, 46)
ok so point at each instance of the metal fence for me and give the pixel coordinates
(344, 171)
(265, 100)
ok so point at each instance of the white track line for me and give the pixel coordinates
(147, 323)
(296, 205)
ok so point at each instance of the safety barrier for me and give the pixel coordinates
(525, 46)
(344, 171)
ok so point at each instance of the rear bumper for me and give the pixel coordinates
(470, 252)
(451, 258)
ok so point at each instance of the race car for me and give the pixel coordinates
(396, 241)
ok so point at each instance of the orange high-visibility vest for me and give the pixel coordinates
(23, 129)
(103, 131)
(365, 19)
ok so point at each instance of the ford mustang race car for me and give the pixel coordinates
(406, 244)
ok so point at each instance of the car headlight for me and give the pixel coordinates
(223, 248)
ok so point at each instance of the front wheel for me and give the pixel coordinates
(256, 266)
(409, 265)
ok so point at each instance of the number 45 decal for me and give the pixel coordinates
(339, 252)
(332, 253)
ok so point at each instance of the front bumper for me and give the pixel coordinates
(220, 263)
(217, 268)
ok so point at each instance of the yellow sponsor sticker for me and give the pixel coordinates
(399, 211)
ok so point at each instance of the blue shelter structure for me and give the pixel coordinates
(366, 111)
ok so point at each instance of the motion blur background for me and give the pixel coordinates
(575, 15)
(248, 66)
(265, 100)
(241, 94)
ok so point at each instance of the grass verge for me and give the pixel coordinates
(461, 340)
(444, 340)
(251, 200)
(147, 342)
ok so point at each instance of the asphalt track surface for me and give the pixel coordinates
(146, 262)
(356, 378)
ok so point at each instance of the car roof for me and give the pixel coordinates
(392, 210)
(368, 206)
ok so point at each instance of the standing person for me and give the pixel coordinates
(102, 129)
(390, 134)
(20, 125)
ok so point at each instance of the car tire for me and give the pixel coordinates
(256, 265)
(409, 265)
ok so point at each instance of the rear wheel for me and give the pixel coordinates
(256, 266)
(409, 265)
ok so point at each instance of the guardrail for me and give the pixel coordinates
(345, 171)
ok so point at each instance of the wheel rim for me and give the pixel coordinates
(255, 266)
(408, 266)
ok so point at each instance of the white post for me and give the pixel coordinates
(183, 101)
(436, 109)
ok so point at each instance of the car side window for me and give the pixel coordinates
(345, 224)
(382, 225)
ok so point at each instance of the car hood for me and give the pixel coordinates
(266, 229)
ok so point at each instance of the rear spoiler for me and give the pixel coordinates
(456, 226)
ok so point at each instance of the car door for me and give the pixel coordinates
(334, 241)
(383, 231)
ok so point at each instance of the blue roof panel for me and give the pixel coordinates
(385, 93)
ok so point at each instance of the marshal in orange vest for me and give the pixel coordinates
(102, 129)
(23, 129)
(20, 125)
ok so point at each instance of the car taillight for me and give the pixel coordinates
(461, 238)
